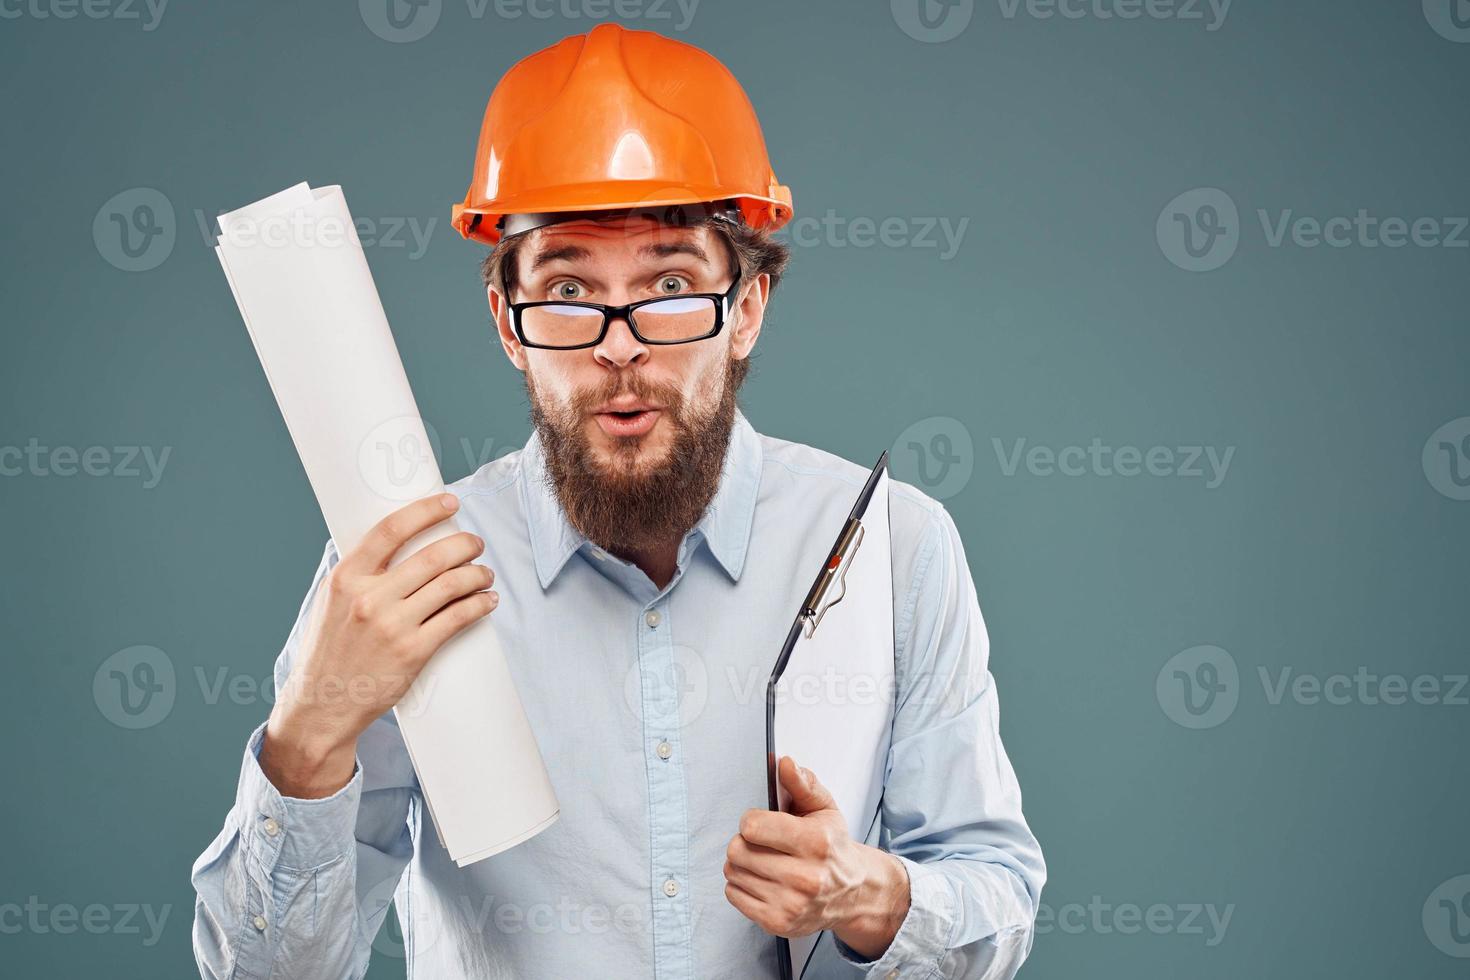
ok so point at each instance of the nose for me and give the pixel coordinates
(620, 348)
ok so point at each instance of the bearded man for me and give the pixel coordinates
(641, 556)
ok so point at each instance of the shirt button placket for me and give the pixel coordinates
(669, 858)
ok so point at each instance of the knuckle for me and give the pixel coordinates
(334, 586)
(362, 609)
(401, 649)
(388, 531)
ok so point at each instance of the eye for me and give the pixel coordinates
(567, 289)
(672, 284)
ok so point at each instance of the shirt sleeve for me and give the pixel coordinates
(299, 888)
(951, 807)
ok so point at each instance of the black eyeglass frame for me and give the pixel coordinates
(724, 303)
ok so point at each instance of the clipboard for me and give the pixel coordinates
(829, 700)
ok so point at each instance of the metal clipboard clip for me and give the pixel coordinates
(830, 587)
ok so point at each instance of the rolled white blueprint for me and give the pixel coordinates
(303, 286)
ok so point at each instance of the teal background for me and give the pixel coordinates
(1326, 548)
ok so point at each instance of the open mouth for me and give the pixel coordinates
(634, 422)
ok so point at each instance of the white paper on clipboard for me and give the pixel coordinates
(834, 701)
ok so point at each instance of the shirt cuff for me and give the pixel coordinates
(289, 833)
(922, 938)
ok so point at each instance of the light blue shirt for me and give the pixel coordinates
(649, 708)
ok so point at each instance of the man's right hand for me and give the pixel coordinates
(372, 630)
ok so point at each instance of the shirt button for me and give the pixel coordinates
(671, 888)
(652, 618)
(891, 975)
(259, 923)
(271, 827)
(664, 750)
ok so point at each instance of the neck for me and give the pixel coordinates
(658, 562)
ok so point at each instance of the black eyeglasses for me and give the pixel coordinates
(681, 318)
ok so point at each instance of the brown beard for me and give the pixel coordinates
(623, 508)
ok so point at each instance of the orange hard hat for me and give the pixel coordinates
(615, 120)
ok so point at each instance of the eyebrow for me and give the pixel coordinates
(560, 252)
(657, 250)
(662, 250)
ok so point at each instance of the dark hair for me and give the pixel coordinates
(756, 251)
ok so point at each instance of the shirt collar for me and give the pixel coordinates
(725, 526)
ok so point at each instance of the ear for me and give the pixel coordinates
(750, 313)
(500, 311)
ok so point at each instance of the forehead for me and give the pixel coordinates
(631, 242)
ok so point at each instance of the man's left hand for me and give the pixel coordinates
(797, 873)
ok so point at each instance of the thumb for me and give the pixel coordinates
(808, 795)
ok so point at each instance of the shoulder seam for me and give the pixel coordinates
(935, 532)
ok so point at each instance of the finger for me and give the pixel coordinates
(456, 617)
(384, 539)
(444, 588)
(430, 561)
(782, 832)
(765, 862)
(748, 905)
(807, 793)
(757, 885)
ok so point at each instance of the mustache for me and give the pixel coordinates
(584, 401)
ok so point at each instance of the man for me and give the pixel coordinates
(640, 557)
